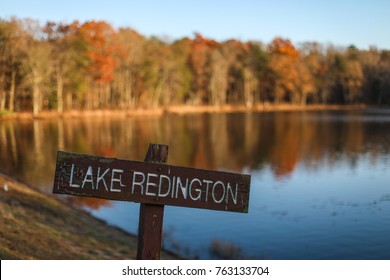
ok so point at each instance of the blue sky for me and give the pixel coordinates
(340, 22)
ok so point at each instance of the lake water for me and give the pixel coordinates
(320, 184)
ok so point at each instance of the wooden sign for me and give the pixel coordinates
(148, 182)
(153, 184)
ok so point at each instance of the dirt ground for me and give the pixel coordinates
(34, 225)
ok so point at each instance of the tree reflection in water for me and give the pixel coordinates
(235, 141)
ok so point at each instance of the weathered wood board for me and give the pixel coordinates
(152, 183)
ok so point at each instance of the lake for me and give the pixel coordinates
(320, 185)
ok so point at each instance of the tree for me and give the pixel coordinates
(36, 63)
(65, 57)
(198, 60)
(371, 61)
(376, 72)
(219, 69)
(155, 72)
(91, 65)
(317, 65)
(11, 40)
(98, 37)
(255, 73)
(37, 67)
(128, 54)
(353, 81)
(4, 54)
(284, 57)
(181, 78)
(347, 77)
(235, 53)
(384, 78)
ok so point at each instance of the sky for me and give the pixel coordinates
(338, 22)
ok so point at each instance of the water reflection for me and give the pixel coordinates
(250, 141)
(319, 189)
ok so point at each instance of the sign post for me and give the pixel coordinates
(151, 216)
(153, 184)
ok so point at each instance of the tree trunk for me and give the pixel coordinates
(303, 98)
(2, 100)
(129, 92)
(2, 92)
(157, 95)
(60, 98)
(12, 91)
(249, 86)
(36, 99)
(380, 94)
(107, 92)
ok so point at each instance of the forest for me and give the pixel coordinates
(92, 65)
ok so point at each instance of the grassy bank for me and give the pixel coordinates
(182, 109)
(37, 226)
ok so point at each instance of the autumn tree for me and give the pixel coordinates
(71, 63)
(284, 56)
(384, 79)
(233, 76)
(255, 67)
(156, 69)
(201, 48)
(376, 72)
(347, 78)
(98, 37)
(37, 66)
(128, 54)
(353, 81)
(235, 53)
(303, 84)
(92, 65)
(370, 61)
(318, 65)
(181, 78)
(5, 47)
(353, 76)
(219, 74)
(11, 40)
(56, 56)
(36, 63)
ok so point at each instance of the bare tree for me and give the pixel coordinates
(36, 63)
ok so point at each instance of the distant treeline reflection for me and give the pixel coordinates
(236, 142)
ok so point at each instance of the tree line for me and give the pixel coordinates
(91, 65)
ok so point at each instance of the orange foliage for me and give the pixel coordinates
(200, 40)
(283, 47)
(200, 51)
(292, 78)
(99, 35)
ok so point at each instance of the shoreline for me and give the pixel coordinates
(179, 109)
(40, 226)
